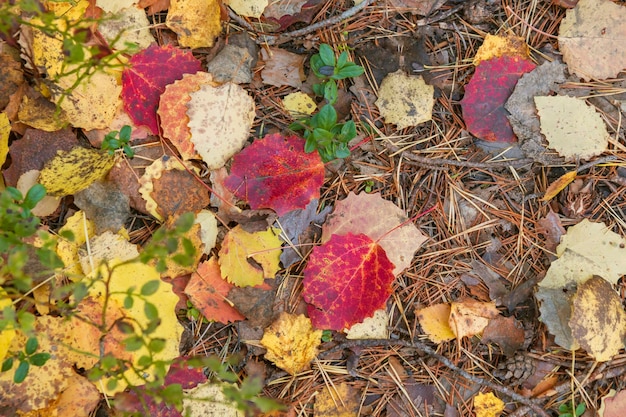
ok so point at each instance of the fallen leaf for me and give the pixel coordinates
(48, 204)
(592, 39)
(291, 342)
(73, 171)
(246, 258)
(275, 172)
(106, 245)
(470, 317)
(559, 185)
(495, 46)
(598, 320)
(233, 64)
(195, 402)
(284, 13)
(574, 129)
(105, 204)
(129, 24)
(39, 112)
(418, 7)
(552, 229)
(220, 119)
(248, 8)
(196, 22)
(485, 96)
(79, 399)
(375, 327)
(405, 100)
(506, 332)
(11, 75)
(149, 72)
(173, 111)
(256, 303)
(299, 104)
(208, 229)
(338, 400)
(434, 321)
(282, 68)
(5, 132)
(67, 250)
(379, 219)
(487, 405)
(7, 334)
(207, 291)
(556, 311)
(346, 280)
(613, 404)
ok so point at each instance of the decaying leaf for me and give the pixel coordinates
(556, 311)
(380, 219)
(299, 104)
(506, 332)
(419, 7)
(195, 402)
(208, 229)
(248, 8)
(613, 404)
(346, 280)
(220, 119)
(592, 39)
(263, 249)
(7, 334)
(559, 185)
(574, 129)
(338, 400)
(275, 172)
(207, 290)
(129, 24)
(48, 204)
(375, 327)
(488, 405)
(282, 67)
(470, 317)
(598, 319)
(434, 321)
(405, 100)
(106, 246)
(291, 342)
(73, 171)
(196, 22)
(105, 204)
(496, 45)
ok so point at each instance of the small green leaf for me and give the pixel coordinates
(133, 343)
(172, 394)
(150, 287)
(125, 133)
(327, 117)
(156, 345)
(21, 372)
(111, 384)
(351, 70)
(128, 302)
(580, 409)
(318, 89)
(151, 312)
(144, 361)
(31, 345)
(125, 327)
(327, 55)
(36, 193)
(330, 92)
(310, 145)
(40, 359)
(7, 364)
(316, 63)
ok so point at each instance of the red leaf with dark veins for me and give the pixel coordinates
(485, 96)
(276, 173)
(150, 71)
(346, 280)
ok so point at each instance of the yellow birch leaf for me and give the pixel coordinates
(299, 104)
(41, 114)
(195, 402)
(574, 129)
(5, 131)
(208, 229)
(196, 22)
(248, 8)
(7, 335)
(470, 317)
(238, 246)
(339, 400)
(70, 172)
(488, 405)
(598, 320)
(81, 228)
(559, 185)
(434, 322)
(405, 100)
(107, 245)
(291, 342)
(495, 46)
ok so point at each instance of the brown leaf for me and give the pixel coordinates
(506, 332)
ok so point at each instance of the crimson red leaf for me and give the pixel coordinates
(346, 280)
(144, 81)
(485, 96)
(276, 173)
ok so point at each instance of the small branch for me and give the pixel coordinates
(437, 163)
(447, 363)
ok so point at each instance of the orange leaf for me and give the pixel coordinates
(346, 280)
(558, 185)
(207, 291)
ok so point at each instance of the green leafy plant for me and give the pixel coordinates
(568, 410)
(26, 358)
(118, 140)
(322, 130)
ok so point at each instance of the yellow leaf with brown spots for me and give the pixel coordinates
(487, 405)
(495, 46)
(338, 400)
(470, 317)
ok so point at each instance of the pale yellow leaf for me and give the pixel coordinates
(127, 25)
(434, 322)
(495, 46)
(291, 342)
(208, 400)
(220, 119)
(248, 8)
(73, 171)
(105, 246)
(488, 405)
(196, 22)
(238, 246)
(405, 100)
(67, 250)
(114, 6)
(592, 39)
(598, 319)
(375, 327)
(574, 129)
(208, 229)
(8, 334)
(5, 131)
(470, 317)
(47, 205)
(299, 104)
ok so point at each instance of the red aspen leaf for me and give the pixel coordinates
(379, 219)
(485, 96)
(207, 291)
(276, 173)
(150, 71)
(346, 280)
